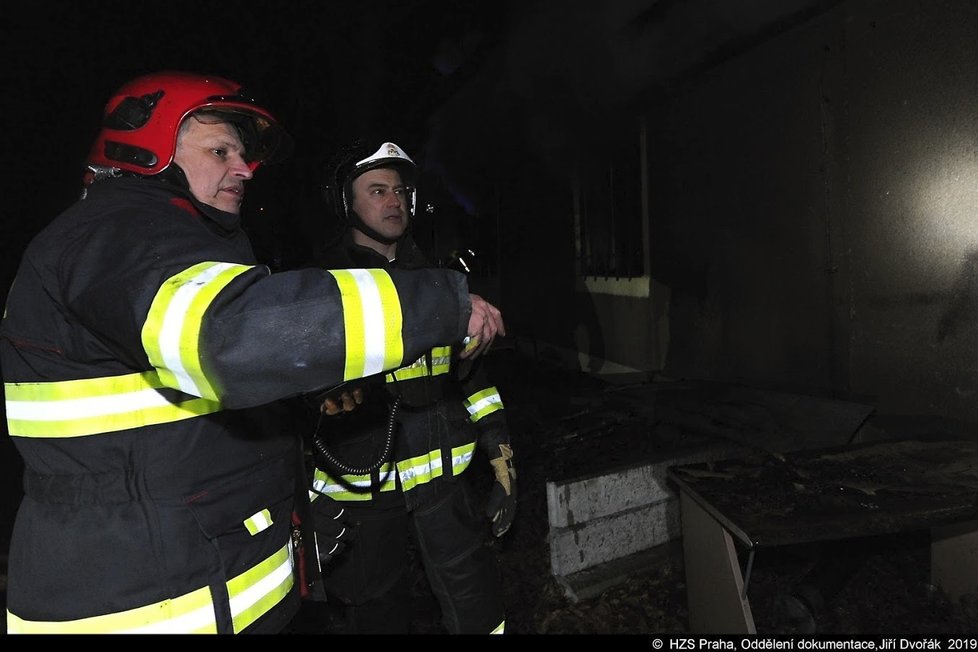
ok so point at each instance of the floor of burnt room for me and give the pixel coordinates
(887, 593)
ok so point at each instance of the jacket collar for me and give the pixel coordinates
(220, 221)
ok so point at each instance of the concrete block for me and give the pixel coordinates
(600, 540)
(596, 519)
(579, 500)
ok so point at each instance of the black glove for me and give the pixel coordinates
(332, 530)
(501, 507)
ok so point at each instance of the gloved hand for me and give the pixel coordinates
(501, 507)
(347, 401)
(333, 532)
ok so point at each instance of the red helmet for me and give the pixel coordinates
(139, 129)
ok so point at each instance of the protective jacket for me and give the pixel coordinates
(143, 351)
(447, 407)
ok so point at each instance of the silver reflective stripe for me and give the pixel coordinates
(259, 589)
(441, 360)
(252, 594)
(461, 457)
(425, 468)
(258, 522)
(192, 613)
(412, 472)
(372, 321)
(171, 334)
(325, 484)
(441, 363)
(91, 406)
(420, 469)
(483, 403)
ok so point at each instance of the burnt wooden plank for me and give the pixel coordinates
(771, 499)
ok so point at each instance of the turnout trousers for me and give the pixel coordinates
(373, 579)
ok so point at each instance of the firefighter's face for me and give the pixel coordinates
(212, 156)
(382, 201)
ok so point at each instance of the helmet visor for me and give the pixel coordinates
(265, 141)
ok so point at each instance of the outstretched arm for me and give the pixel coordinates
(485, 323)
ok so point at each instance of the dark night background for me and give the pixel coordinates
(331, 71)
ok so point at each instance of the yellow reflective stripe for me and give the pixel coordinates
(372, 319)
(441, 363)
(425, 468)
(500, 628)
(92, 406)
(407, 373)
(256, 591)
(420, 469)
(258, 522)
(192, 613)
(252, 594)
(342, 495)
(461, 456)
(323, 483)
(171, 334)
(441, 360)
(412, 472)
(483, 403)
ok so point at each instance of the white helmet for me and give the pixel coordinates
(356, 160)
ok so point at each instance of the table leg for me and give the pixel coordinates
(714, 582)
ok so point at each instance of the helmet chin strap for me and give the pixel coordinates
(361, 226)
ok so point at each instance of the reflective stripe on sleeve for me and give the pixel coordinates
(483, 403)
(373, 320)
(92, 406)
(171, 334)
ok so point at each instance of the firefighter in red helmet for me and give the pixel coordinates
(144, 352)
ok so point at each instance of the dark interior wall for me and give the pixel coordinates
(536, 265)
(740, 213)
(912, 204)
(815, 210)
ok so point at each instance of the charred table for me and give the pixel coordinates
(775, 499)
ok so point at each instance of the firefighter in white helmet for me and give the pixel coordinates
(396, 463)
